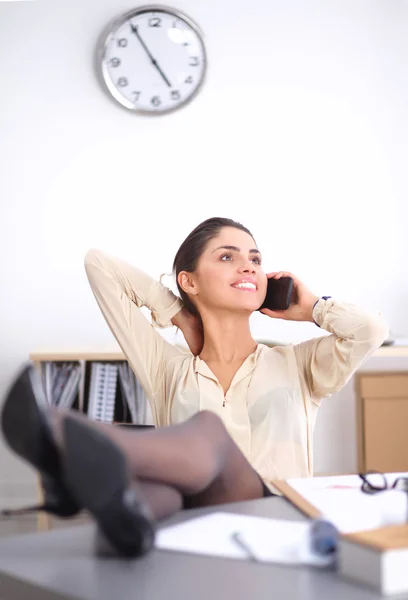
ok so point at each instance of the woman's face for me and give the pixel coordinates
(229, 274)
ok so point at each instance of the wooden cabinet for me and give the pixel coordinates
(382, 421)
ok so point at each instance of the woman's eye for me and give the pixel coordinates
(257, 261)
(226, 257)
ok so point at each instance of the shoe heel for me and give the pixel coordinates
(97, 475)
(25, 510)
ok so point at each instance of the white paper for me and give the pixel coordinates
(270, 540)
(341, 501)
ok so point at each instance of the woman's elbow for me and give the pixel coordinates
(91, 257)
(377, 330)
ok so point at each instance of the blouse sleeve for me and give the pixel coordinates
(327, 363)
(120, 291)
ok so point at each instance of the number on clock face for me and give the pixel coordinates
(153, 60)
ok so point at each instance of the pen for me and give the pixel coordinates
(243, 544)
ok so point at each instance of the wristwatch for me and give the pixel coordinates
(321, 298)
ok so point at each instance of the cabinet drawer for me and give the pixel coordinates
(386, 434)
(384, 385)
(382, 420)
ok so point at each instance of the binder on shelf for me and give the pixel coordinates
(65, 381)
(102, 391)
(134, 395)
(71, 389)
(47, 376)
(128, 391)
(61, 382)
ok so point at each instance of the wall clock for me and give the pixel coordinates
(152, 59)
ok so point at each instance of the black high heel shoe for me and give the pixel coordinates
(97, 474)
(27, 432)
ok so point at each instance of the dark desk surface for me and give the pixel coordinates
(61, 564)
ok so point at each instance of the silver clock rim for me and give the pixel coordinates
(105, 39)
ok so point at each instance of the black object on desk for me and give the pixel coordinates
(324, 537)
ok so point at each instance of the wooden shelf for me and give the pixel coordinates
(78, 354)
(115, 353)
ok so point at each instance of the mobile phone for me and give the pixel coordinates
(278, 294)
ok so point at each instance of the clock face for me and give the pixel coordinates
(152, 59)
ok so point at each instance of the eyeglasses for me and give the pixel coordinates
(374, 482)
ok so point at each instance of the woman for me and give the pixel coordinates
(232, 415)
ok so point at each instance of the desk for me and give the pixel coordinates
(60, 565)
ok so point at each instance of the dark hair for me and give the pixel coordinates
(191, 249)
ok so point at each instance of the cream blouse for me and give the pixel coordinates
(271, 406)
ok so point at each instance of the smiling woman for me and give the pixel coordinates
(207, 261)
(231, 416)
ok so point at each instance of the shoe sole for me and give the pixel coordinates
(97, 475)
(25, 430)
(21, 420)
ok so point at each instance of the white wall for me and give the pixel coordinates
(300, 132)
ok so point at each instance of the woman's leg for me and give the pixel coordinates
(163, 500)
(198, 458)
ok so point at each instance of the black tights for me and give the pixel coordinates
(195, 463)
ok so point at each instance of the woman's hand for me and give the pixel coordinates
(192, 329)
(301, 304)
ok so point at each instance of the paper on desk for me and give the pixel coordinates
(270, 540)
(341, 501)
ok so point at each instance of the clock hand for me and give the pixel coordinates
(146, 49)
